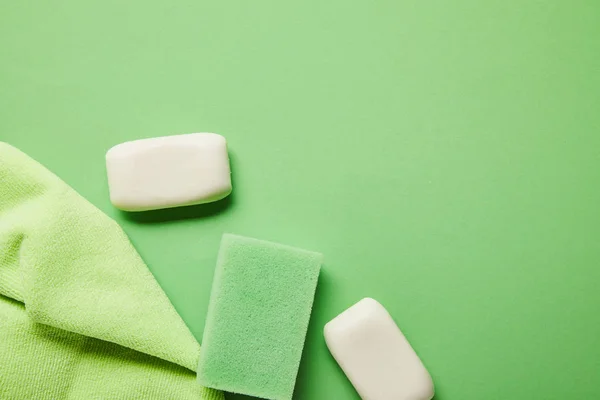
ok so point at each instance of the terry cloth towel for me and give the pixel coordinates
(81, 316)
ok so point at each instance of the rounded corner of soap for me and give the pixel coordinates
(370, 303)
(111, 152)
(227, 189)
(216, 137)
(119, 204)
(329, 335)
(431, 392)
(220, 193)
(327, 331)
(427, 390)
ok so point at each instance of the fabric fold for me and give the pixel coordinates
(75, 269)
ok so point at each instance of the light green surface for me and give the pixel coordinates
(443, 155)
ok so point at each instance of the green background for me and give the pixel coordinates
(443, 155)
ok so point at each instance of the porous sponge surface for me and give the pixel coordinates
(258, 314)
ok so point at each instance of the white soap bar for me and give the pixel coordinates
(170, 171)
(375, 355)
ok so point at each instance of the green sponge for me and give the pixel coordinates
(259, 309)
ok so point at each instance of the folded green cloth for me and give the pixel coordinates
(81, 316)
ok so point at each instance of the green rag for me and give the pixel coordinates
(81, 316)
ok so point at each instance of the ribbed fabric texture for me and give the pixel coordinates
(81, 316)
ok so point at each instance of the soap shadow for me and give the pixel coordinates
(179, 213)
(187, 212)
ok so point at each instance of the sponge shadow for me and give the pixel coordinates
(314, 336)
(233, 396)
